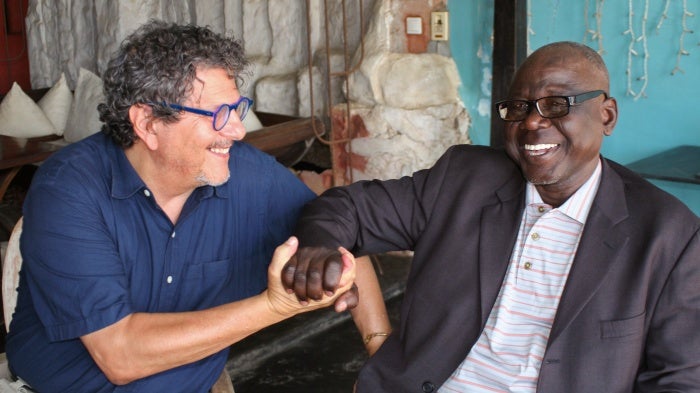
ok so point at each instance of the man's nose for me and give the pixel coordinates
(534, 119)
(234, 128)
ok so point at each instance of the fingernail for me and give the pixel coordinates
(291, 241)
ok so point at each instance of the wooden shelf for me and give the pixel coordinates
(680, 164)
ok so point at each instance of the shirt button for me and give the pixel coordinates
(169, 279)
(146, 193)
(535, 236)
(541, 209)
(172, 235)
(528, 265)
(428, 387)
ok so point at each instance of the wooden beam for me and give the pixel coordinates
(274, 137)
(285, 137)
(509, 51)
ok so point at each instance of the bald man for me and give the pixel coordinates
(543, 267)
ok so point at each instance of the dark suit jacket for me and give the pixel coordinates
(629, 317)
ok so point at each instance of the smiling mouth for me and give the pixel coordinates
(220, 150)
(539, 149)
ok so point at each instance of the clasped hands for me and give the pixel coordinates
(310, 278)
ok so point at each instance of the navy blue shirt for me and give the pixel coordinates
(97, 247)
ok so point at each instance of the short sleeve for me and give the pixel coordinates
(74, 273)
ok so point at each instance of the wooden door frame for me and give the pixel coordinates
(509, 51)
(14, 60)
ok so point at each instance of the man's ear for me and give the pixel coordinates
(141, 116)
(609, 115)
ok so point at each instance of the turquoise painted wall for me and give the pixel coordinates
(664, 117)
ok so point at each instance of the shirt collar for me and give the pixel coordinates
(579, 204)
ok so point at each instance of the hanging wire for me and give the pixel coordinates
(664, 16)
(329, 75)
(599, 26)
(631, 51)
(681, 50)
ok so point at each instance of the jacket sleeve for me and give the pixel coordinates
(375, 216)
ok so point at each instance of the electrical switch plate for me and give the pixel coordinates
(439, 26)
(414, 25)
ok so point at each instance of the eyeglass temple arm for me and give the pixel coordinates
(586, 96)
(188, 109)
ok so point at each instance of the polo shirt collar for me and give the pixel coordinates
(579, 204)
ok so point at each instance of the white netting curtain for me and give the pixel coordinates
(65, 35)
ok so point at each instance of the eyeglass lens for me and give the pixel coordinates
(548, 107)
(221, 116)
(242, 108)
(552, 106)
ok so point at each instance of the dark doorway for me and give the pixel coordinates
(14, 63)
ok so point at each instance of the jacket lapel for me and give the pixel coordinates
(499, 230)
(600, 242)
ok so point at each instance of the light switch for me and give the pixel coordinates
(414, 25)
(439, 26)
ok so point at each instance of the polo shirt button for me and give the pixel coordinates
(428, 387)
(172, 235)
(146, 193)
(169, 279)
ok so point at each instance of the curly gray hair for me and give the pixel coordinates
(158, 63)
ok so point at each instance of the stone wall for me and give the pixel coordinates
(403, 108)
(399, 104)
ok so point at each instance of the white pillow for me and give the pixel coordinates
(21, 117)
(56, 104)
(83, 119)
(251, 122)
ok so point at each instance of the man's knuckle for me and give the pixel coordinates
(300, 277)
(315, 276)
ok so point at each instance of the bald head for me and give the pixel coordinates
(568, 54)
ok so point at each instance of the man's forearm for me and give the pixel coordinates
(370, 315)
(144, 344)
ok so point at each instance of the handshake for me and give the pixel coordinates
(310, 278)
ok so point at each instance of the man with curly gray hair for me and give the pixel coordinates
(147, 246)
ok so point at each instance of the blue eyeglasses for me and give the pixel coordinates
(222, 114)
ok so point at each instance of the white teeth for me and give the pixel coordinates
(220, 150)
(541, 146)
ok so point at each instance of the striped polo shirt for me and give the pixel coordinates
(508, 354)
